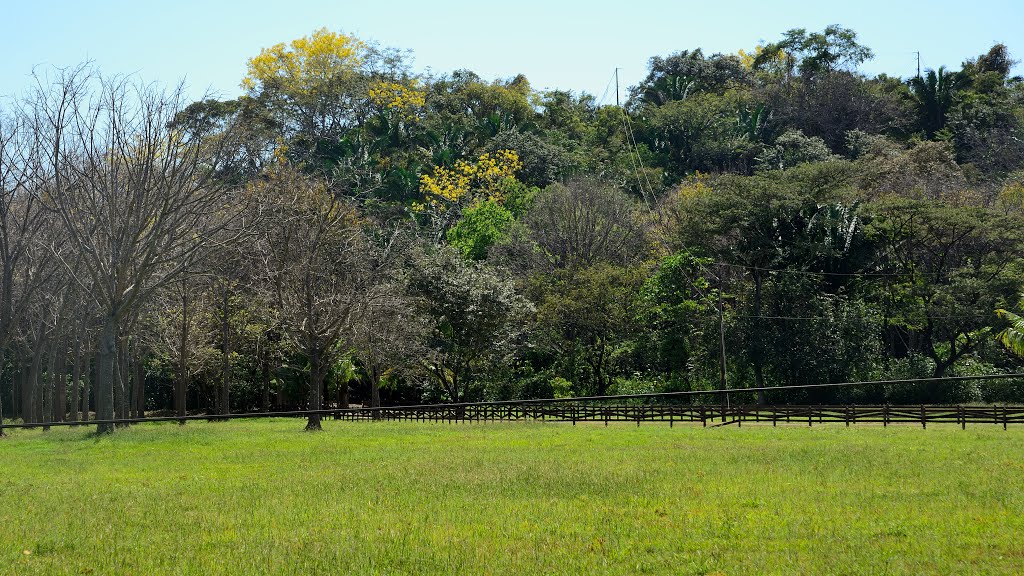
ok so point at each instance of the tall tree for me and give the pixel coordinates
(137, 200)
(310, 253)
(816, 53)
(933, 95)
(475, 317)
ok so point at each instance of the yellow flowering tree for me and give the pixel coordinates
(399, 106)
(777, 60)
(305, 66)
(316, 90)
(402, 101)
(448, 192)
(469, 182)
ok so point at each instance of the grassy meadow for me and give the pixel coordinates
(264, 497)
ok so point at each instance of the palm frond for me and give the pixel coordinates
(1013, 335)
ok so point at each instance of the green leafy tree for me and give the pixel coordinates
(586, 318)
(816, 53)
(677, 301)
(688, 73)
(695, 134)
(482, 226)
(475, 316)
(955, 266)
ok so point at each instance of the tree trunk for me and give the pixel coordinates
(26, 391)
(266, 385)
(280, 392)
(16, 387)
(60, 388)
(49, 386)
(181, 382)
(2, 434)
(759, 357)
(316, 385)
(76, 376)
(225, 391)
(87, 380)
(106, 356)
(121, 382)
(32, 384)
(140, 387)
(374, 387)
(343, 395)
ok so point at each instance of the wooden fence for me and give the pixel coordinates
(709, 407)
(707, 415)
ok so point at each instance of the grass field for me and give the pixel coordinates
(248, 497)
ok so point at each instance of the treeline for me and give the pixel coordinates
(350, 231)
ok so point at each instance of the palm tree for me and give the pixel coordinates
(934, 95)
(1013, 335)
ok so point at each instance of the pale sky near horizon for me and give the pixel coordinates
(570, 45)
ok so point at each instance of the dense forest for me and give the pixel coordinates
(350, 230)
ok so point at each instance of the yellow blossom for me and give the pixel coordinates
(452, 185)
(301, 66)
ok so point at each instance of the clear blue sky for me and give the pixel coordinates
(557, 44)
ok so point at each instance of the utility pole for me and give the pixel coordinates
(918, 63)
(721, 337)
(617, 88)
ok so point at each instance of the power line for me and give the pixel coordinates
(841, 274)
(606, 88)
(632, 137)
(953, 317)
(632, 161)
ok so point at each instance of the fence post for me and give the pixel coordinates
(924, 423)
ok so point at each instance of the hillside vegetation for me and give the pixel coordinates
(352, 230)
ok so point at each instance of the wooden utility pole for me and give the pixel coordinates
(722, 373)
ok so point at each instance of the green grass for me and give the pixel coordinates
(248, 497)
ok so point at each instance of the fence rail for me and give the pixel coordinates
(707, 415)
(671, 407)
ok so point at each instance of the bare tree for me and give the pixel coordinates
(386, 332)
(310, 249)
(133, 196)
(179, 318)
(576, 225)
(24, 266)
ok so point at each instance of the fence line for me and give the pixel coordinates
(706, 414)
(623, 407)
(713, 415)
